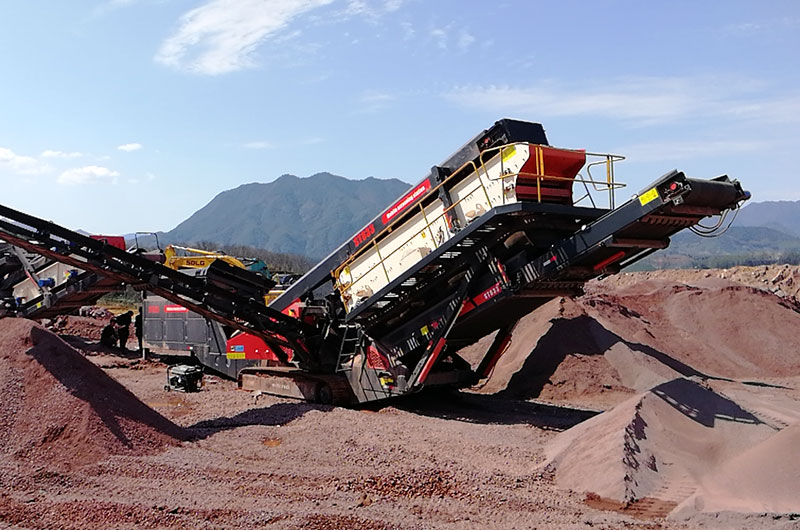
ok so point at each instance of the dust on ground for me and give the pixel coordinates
(687, 440)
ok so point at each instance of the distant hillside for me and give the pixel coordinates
(308, 216)
(312, 216)
(737, 240)
(740, 245)
(783, 216)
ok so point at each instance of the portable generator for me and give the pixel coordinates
(184, 378)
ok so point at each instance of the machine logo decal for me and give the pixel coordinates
(365, 234)
(488, 294)
(406, 201)
(175, 309)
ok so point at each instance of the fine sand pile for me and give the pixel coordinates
(603, 347)
(680, 445)
(764, 478)
(60, 410)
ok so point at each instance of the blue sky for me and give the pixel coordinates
(124, 115)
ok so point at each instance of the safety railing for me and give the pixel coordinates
(608, 185)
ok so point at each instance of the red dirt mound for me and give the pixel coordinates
(656, 449)
(85, 327)
(601, 347)
(782, 280)
(716, 328)
(59, 409)
(566, 361)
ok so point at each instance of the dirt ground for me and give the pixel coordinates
(494, 458)
(271, 462)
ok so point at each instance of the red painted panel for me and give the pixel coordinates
(560, 163)
(563, 163)
(375, 359)
(501, 349)
(114, 241)
(482, 298)
(431, 360)
(466, 308)
(252, 348)
(608, 261)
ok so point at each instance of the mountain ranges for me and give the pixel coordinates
(312, 216)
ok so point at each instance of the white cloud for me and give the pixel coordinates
(20, 164)
(774, 110)
(259, 145)
(373, 100)
(135, 146)
(644, 100)
(111, 5)
(408, 30)
(357, 7)
(465, 40)
(292, 35)
(392, 5)
(745, 27)
(683, 150)
(88, 175)
(221, 36)
(639, 100)
(372, 11)
(51, 153)
(440, 37)
(115, 4)
(372, 96)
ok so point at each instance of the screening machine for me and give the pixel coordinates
(502, 226)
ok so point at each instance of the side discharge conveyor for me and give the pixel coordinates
(36, 287)
(498, 229)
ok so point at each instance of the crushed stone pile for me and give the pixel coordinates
(60, 410)
(95, 311)
(85, 327)
(680, 448)
(716, 328)
(781, 280)
(610, 344)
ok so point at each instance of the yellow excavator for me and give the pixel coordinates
(181, 258)
(178, 258)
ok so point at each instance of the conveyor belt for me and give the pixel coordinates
(212, 301)
(85, 289)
